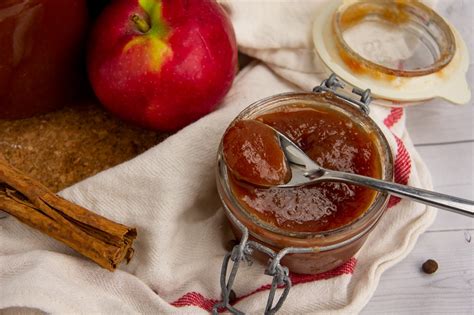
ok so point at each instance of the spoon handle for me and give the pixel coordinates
(442, 201)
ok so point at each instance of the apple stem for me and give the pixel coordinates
(142, 25)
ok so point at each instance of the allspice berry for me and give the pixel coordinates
(430, 266)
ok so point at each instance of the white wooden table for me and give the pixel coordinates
(444, 136)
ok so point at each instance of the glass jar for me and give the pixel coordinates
(323, 250)
(41, 55)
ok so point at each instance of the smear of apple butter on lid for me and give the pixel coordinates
(253, 154)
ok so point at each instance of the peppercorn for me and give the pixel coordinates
(430, 266)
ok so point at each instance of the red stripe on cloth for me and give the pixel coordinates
(197, 299)
(345, 269)
(402, 168)
(394, 116)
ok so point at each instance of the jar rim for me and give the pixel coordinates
(415, 12)
(385, 154)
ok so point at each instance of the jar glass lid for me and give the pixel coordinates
(402, 50)
(397, 38)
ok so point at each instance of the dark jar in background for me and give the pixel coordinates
(41, 55)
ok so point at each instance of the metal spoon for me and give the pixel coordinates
(305, 171)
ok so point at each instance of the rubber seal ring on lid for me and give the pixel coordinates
(417, 40)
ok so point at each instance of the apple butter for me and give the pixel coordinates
(329, 137)
(253, 154)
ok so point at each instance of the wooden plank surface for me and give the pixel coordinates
(444, 136)
(439, 122)
(405, 289)
(452, 170)
(447, 147)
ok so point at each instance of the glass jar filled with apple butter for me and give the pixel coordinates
(327, 222)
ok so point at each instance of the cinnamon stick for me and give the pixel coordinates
(105, 242)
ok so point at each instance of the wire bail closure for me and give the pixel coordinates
(333, 83)
(242, 252)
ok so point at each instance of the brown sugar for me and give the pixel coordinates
(63, 147)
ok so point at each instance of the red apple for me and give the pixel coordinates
(41, 43)
(162, 64)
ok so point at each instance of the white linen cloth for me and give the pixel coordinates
(169, 194)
